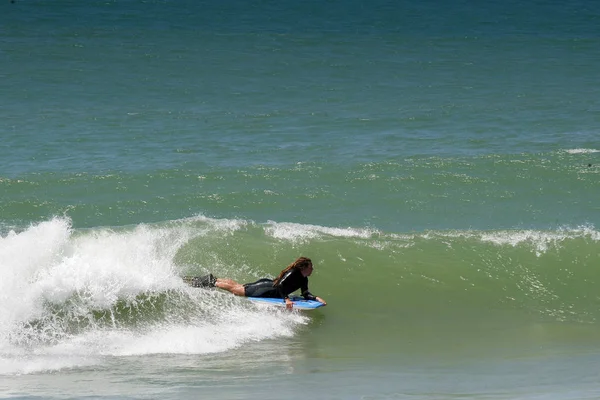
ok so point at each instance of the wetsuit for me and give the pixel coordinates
(289, 283)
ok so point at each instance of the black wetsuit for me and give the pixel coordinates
(289, 283)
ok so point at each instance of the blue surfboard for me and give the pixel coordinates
(299, 302)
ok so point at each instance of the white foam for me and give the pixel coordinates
(22, 255)
(582, 151)
(29, 364)
(54, 282)
(223, 225)
(201, 337)
(301, 232)
(540, 241)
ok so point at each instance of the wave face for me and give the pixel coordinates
(74, 297)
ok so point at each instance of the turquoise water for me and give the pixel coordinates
(439, 163)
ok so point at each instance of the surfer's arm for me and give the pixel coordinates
(285, 296)
(308, 295)
(305, 293)
(284, 284)
(288, 303)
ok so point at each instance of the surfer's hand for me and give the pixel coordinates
(288, 304)
(321, 300)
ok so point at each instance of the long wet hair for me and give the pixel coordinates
(299, 264)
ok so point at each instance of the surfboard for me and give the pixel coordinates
(299, 302)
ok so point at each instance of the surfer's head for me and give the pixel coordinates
(302, 264)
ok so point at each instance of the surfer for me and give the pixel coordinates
(293, 277)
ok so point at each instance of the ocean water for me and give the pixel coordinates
(439, 162)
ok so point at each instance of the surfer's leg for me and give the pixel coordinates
(261, 288)
(200, 281)
(231, 286)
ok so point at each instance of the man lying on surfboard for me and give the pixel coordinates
(293, 277)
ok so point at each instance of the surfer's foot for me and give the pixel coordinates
(201, 281)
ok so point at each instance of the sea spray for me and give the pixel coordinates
(73, 297)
